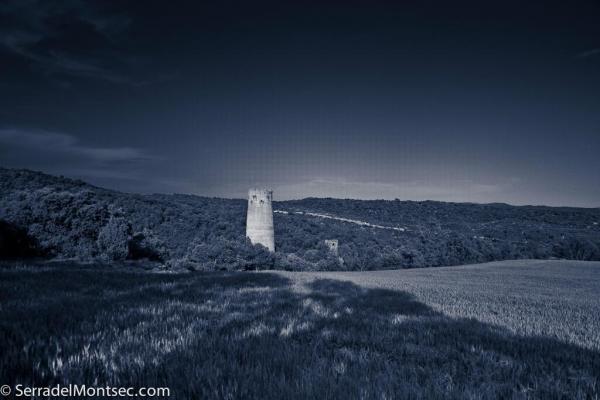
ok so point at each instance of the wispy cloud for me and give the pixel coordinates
(67, 145)
(62, 153)
(44, 33)
(589, 53)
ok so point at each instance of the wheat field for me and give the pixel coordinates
(523, 329)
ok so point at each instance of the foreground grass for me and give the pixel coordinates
(263, 335)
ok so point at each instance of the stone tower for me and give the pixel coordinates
(259, 220)
(332, 245)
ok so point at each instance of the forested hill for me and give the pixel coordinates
(59, 217)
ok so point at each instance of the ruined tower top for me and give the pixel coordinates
(259, 219)
(260, 194)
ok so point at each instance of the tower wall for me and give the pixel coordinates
(332, 245)
(259, 219)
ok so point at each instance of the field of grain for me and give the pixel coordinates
(522, 329)
(549, 298)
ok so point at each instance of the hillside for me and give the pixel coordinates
(59, 217)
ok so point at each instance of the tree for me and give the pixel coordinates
(113, 239)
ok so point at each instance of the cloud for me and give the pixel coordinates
(61, 153)
(66, 38)
(589, 53)
(67, 145)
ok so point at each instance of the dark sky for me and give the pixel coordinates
(457, 101)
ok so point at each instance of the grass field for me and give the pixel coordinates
(523, 329)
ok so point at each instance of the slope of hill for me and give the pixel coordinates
(71, 219)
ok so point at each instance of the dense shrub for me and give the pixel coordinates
(65, 223)
(224, 254)
(16, 243)
(146, 245)
(113, 238)
(575, 248)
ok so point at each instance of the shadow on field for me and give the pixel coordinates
(251, 335)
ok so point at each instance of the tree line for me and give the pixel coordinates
(47, 216)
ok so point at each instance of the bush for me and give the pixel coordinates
(291, 262)
(224, 254)
(146, 245)
(113, 239)
(16, 243)
(574, 248)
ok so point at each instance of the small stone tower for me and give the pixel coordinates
(259, 220)
(332, 245)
